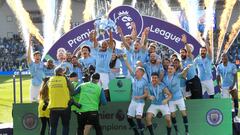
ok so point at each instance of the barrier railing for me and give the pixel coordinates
(19, 73)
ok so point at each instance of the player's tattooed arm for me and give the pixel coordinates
(144, 38)
(95, 42)
(189, 51)
(110, 39)
(234, 82)
(219, 82)
(127, 64)
(134, 31)
(209, 49)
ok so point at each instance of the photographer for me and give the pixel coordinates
(91, 95)
(60, 89)
(87, 72)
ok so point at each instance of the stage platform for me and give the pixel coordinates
(206, 117)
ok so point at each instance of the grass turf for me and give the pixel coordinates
(6, 96)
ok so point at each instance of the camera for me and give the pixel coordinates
(87, 72)
(45, 105)
(72, 102)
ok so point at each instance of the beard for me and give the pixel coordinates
(50, 67)
(85, 55)
(203, 55)
(225, 61)
(183, 57)
(75, 65)
(103, 49)
(153, 61)
(69, 60)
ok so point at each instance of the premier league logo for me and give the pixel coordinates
(214, 117)
(29, 121)
(123, 16)
(119, 84)
(120, 115)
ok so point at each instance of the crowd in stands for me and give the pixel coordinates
(13, 53)
(234, 51)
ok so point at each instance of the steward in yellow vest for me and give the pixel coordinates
(59, 94)
(60, 89)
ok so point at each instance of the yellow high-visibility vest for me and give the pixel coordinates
(42, 113)
(58, 92)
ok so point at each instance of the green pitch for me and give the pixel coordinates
(6, 95)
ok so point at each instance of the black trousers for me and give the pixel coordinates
(194, 85)
(65, 115)
(89, 118)
(45, 122)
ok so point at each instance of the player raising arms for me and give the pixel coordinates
(139, 93)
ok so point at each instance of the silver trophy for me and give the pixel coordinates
(104, 24)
